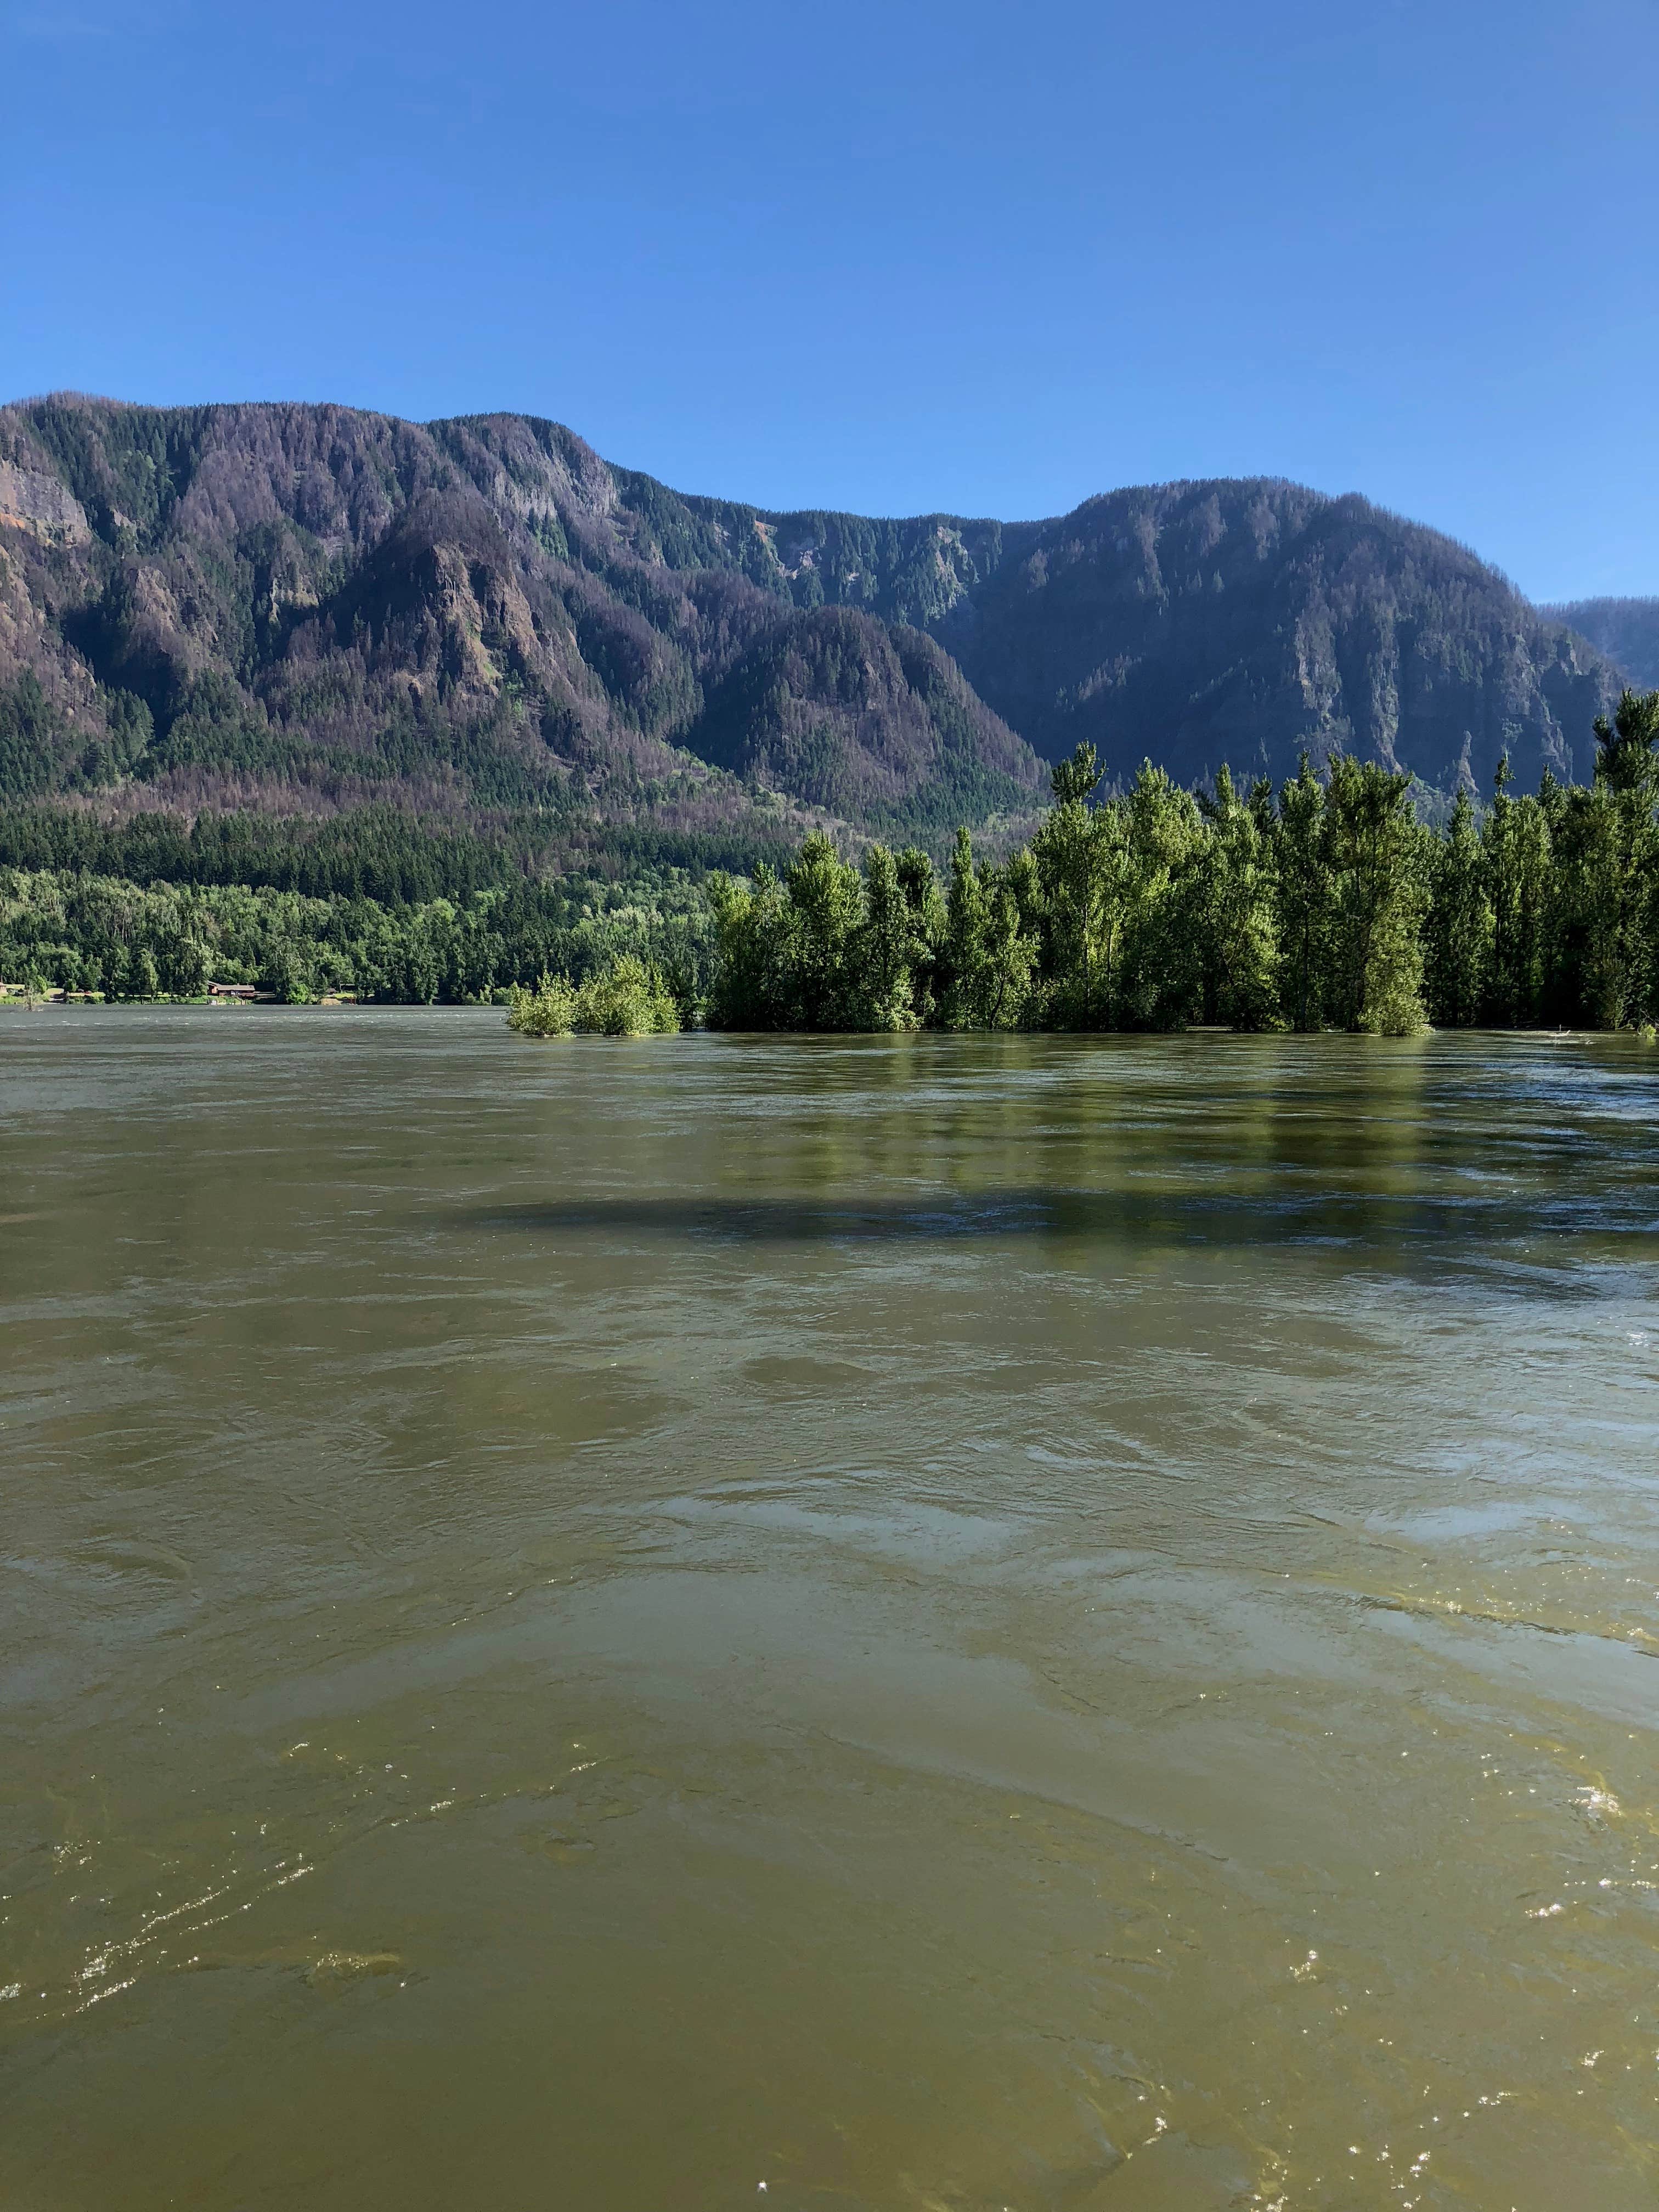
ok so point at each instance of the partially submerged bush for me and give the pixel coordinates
(548, 1011)
(626, 1000)
(629, 999)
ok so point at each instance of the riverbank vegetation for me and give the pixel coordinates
(626, 998)
(1325, 904)
(69, 929)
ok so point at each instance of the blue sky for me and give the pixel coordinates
(893, 258)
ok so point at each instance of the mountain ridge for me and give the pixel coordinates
(1625, 630)
(1535, 688)
(302, 608)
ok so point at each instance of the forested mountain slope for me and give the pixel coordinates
(1196, 622)
(1627, 630)
(305, 610)
(297, 609)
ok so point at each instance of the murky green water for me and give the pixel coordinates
(931, 1623)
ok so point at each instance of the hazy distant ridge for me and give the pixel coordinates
(1627, 630)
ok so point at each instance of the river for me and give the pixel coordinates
(929, 1623)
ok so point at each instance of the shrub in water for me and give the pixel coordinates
(629, 999)
(548, 1011)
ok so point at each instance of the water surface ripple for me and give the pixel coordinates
(939, 1623)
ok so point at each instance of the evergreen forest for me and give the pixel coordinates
(1326, 903)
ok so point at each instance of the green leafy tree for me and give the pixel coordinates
(549, 1010)
(1305, 899)
(626, 1000)
(143, 978)
(964, 933)
(1617, 849)
(749, 990)
(1515, 847)
(1459, 929)
(1232, 909)
(925, 904)
(991, 950)
(823, 907)
(884, 953)
(289, 972)
(413, 970)
(1081, 855)
(1376, 851)
(1158, 982)
(187, 966)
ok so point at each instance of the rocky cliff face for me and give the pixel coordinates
(1198, 622)
(307, 608)
(311, 608)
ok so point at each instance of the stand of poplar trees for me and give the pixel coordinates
(1329, 906)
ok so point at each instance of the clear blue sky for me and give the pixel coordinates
(890, 257)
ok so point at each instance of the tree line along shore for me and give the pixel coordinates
(1326, 904)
